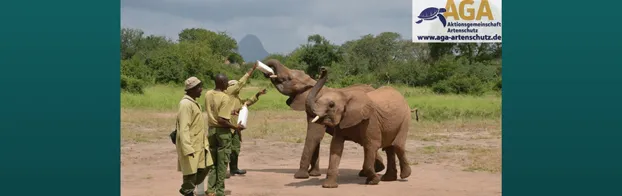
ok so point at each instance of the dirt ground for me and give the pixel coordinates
(460, 158)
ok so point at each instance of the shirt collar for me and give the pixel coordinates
(190, 98)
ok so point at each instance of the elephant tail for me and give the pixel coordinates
(416, 111)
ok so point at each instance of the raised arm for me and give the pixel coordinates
(236, 88)
(252, 100)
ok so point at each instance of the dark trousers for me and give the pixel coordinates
(236, 144)
(220, 144)
(192, 180)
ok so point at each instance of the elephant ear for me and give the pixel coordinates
(297, 102)
(358, 108)
(301, 81)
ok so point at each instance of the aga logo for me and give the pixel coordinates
(432, 13)
(450, 10)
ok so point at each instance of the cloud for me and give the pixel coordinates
(282, 25)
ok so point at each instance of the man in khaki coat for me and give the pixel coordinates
(233, 90)
(192, 144)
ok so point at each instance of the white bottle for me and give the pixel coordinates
(243, 115)
(264, 68)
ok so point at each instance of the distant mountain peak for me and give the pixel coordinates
(251, 48)
(250, 38)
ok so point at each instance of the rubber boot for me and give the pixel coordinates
(233, 165)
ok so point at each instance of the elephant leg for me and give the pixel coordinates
(315, 133)
(404, 166)
(378, 166)
(315, 162)
(391, 174)
(368, 164)
(336, 150)
(400, 149)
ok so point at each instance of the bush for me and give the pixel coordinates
(498, 84)
(136, 68)
(348, 80)
(443, 69)
(384, 59)
(460, 85)
(443, 87)
(132, 85)
(411, 73)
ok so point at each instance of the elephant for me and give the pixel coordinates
(296, 84)
(374, 119)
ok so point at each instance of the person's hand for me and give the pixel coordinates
(240, 127)
(262, 92)
(253, 69)
(235, 112)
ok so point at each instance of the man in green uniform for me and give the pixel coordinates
(191, 141)
(219, 107)
(234, 91)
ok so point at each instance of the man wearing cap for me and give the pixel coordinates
(219, 107)
(191, 141)
(234, 91)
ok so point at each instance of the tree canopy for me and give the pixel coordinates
(386, 58)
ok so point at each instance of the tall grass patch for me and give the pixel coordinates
(432, 106)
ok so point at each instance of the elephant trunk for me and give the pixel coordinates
(277, 67)
(312, 97)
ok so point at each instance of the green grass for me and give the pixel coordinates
(431, 106)
(167, 97)
(455, 130)
(450, 107)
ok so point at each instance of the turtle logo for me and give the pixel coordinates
(432, 13)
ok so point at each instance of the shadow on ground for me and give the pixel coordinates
(346, 176)
(342, 172)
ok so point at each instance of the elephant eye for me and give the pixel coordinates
(331, 104)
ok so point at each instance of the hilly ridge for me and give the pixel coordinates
(251, 48)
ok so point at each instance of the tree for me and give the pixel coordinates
(438, 50)
(235, 58)
(385, 58)
(130, 42)
(220, 43)
(319, 52)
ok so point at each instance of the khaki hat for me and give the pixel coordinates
(192, 82)
(232, 82)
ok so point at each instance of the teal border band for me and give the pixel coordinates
(60, 98)
(562, 91)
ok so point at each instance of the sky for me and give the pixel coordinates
(281, 25)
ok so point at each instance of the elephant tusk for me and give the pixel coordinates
(273, 76)
(315, 119)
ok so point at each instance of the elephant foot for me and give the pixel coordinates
(301, 174)
(405, 173)
(315, 172)
(362, 174)
(373, 180)
(330, 184)
(389, 177)
(378, 166)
